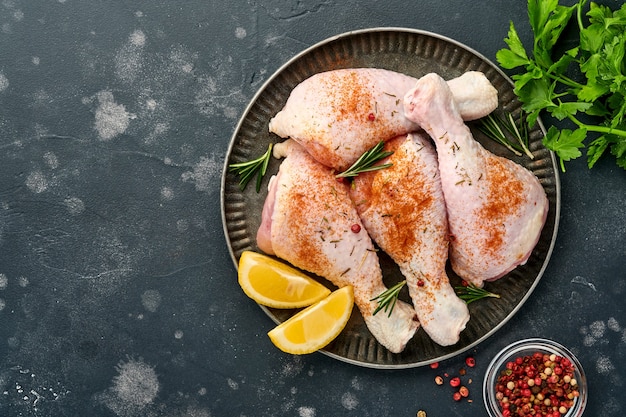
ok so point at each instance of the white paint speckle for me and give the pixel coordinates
(74, 205)
(23, 282)
(138, 13)
(178, 334)
(18, 15)
(134, 387)
(182, 225)
(204, 173)
(112, 119)
(613, 325)
(187, 68)
(137, 38)
(51, 160)
(129, 58)
(4, 82)
(589, 340)
(597, 329)
(3, 304)
(230, 112)
(160, 128)
(36, 60)
(202, 391)
(306, 412)
(4, 281)
(293, 368)
(349, 401)
(604, 366)
(355, 383)
(234, 385)
(583, 281)
(151, 104)
(167, 193)
(36, 182)
(240, 33)
(151, 300)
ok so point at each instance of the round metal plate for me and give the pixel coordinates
(414, 53)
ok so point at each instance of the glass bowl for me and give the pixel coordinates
(524, 348)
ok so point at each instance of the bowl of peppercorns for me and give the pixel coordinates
(535, 377)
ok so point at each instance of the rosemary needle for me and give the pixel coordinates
(366, 162)
(494, 128)
(387, 299)
(470, 293)
(247, 170)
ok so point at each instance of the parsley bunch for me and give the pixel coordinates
(598, 95)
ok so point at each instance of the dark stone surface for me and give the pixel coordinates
(117, 293)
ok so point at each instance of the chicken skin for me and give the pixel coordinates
(337, 115)
(310, 221)
(403, 210)
(496, 208)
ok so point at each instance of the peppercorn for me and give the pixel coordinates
(538, 384)
(470, 361)
(455, 382)
(438, 380)
(355, 228)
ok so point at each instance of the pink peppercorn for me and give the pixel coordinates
(455, 382)
(538, 384)
(355, 228)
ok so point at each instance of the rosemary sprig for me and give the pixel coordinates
(470, 293)
(492, 126)
(387, 300)
(366, 162)
(247, 170)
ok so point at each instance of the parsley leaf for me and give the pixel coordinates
(565, 143)
(543, 84)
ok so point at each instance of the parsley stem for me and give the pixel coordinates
(564, 80)
(579, 14)
(597, 129)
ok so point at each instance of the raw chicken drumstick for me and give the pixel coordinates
(337, 115)
(496, 208)
(309, 220)
(403, 210)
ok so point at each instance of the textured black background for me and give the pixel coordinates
(117, 293)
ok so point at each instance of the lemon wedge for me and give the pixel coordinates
(316, 326)
(274, 284)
